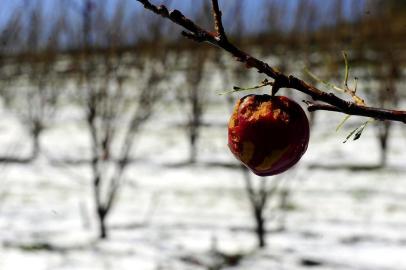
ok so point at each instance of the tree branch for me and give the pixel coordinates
(330, 101)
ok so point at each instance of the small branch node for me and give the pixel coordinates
(176, 14)
(193, 36)
(163, 11)
(276, 86)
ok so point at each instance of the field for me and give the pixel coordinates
(344, 212)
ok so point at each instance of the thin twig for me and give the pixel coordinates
(359, 101)
(312, 107)
(333, 103)
(218, 21)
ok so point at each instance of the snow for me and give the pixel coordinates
(172, 216)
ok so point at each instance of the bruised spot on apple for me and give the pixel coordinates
(268, 134)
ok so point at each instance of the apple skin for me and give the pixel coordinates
(268, 134)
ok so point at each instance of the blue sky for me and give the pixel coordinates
(253, 8)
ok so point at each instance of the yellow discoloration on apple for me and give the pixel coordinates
(265, 109)
(248, 150)
(276, 113)
(253, 113)
(234, 118)
(271, 159)
(262, 111)
(233, 122)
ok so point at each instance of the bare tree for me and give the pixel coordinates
(388, 67)
(259, 196)
(387, 97)
(36, 102)
(191, 95)
(193, 99)
(9, 37)
(115, 112)
(105, 108)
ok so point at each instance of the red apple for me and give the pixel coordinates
(268, 134)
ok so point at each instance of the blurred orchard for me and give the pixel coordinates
(113, 138)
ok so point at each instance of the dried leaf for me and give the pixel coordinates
(343, 122)
(349, 135)
(358, 132)
(239, 89)
(347, 69)
(326, 83)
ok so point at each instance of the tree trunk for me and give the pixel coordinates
(35, 143)
(192, 141)
(383, 141)
(194, 124)
(260, 228)
(102, 214)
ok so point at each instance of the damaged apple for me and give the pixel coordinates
(268, 134)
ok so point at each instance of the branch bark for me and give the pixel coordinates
(330, 102)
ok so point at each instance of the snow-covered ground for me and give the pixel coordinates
(184, 217)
